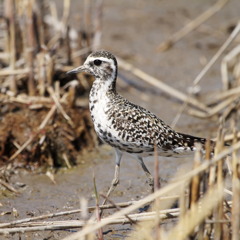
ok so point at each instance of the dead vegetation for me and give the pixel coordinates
(43, 123)
(208, 208)
(38, 116)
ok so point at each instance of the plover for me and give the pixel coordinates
(125, 126)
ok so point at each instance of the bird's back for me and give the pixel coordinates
(133, 129)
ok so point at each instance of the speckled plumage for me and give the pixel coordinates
(133, 129)
(124, 125)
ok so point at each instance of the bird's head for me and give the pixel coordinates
(101, 64)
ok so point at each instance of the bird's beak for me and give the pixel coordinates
(78, 70)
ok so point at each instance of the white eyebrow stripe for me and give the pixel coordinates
(104, 59)
(100, 58)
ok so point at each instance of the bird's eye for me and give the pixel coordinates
(97, 62)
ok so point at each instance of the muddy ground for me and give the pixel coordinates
(133, 32)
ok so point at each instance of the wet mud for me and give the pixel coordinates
(133, 32)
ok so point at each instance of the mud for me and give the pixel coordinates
(133, 32)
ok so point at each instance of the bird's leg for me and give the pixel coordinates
(148, 174)
(115, 180)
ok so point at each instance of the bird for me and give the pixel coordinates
(125, 126)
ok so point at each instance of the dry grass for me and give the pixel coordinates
(39, 102)
(205, 210)
(35, 55)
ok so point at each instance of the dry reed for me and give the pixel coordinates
(205, 210)
(37, 46)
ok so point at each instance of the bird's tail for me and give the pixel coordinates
(190, 141)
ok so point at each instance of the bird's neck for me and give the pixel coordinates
(103, 88)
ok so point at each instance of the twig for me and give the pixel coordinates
(221, 96)
(41, 70)
(30, 47)
(192, 25)
(21, 148)
(57, 225)
(29, 100)
(59, 106)
(97, 21)
(161, 192)
(8, 186)
(218, 213)
(156, 169)
(10, 14)
(66, 160)
(156, 187)
(53, 11)
(232, 107)
(51, 225)
(50, 175)
(81, 52)
(228, 191)
(47, 118)
(161, 85)
(236, 190)
(195, 183)
(183, 228)
(52, 215)
(229, 137)
(178, 115)
(98, 212)
(41, 126)
(224, 66)
(117, 207)
(66, 12)
(217, 221)
(215, 109)
(233, 35)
